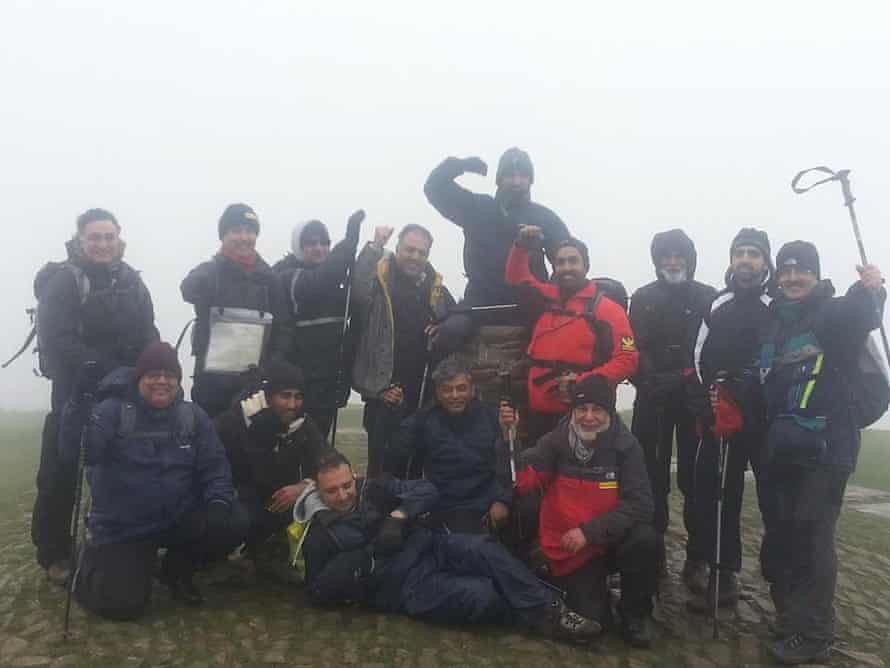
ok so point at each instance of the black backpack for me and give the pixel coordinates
(614, 291)
(41, 281)
(868, 386)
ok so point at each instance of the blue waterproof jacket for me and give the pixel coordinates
(463, 456)
(146, 467)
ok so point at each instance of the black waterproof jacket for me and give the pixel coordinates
(838, 326)
(96, 313)
(489, 232)
(665, 320)
(265, 460)
(221, 282)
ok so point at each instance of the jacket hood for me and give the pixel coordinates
(308, 504)
(677, 242)
(297, 231)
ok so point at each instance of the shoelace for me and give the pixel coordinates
(795, 641)
(573, 620)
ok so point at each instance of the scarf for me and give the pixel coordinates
(246, 264)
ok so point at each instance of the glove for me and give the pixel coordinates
(254, 404)
(699, 403)
(390, 537)
(474, 166)
(258, 417)
(354, 227)
(218, 512)
(727, 415)
(664, 385)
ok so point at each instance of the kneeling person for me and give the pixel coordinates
(272, 447)
(159, 478)
(456, 444)
(596, 515)
(363, 545)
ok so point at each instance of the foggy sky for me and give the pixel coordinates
(638, 118)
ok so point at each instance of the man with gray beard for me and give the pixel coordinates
(596, 514)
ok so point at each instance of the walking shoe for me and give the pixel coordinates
(59, 572)
(561, 623)
(696, 575)
(185, 591)
(795, 649)
(638, 631)
(729, 595)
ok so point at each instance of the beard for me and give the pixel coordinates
(591, 433)
(674, 276)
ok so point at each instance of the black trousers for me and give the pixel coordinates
(798, 558)
(114, 580)
(657, 426)
(262, 523)
(382, 424)
(635, 559)
(51, 517)
(701, 516)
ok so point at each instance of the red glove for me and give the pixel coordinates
(727, 415)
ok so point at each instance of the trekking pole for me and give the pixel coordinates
(843, 176)
(507, 398)
(87, 371)
(721, 484)
(342, 353)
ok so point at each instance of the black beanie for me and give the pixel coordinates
(800, 254)
(594, 389)
(515, 160)
(748, 236)
(674, 242)
(158, 356)
(577, 244)
(314, 229)
(238, 214)
(280, 375)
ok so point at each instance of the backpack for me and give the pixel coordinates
(41, 281)
(614, 291)
(868, 385)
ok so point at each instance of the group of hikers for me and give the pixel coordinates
(510, 493)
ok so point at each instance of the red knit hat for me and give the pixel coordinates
(158, 356)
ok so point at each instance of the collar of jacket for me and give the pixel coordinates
(383, 273)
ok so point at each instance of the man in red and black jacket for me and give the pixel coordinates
(597, 509)
(579, 333)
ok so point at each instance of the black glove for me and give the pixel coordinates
(390, 537)
(218, 512)
(698, 401)
(665, 385)
(474, 166)
(354, 227)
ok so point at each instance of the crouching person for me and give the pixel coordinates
(364, 545)
(272, 446)
(597, 510)
(158, 477)
(455, 444)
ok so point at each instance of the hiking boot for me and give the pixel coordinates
(729, 595)
(795, 649)
(561, 623)
(695, 576)
(59, 572)
(638, 631)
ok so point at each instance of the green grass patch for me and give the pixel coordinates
(873, 469)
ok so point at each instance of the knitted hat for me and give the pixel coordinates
(594, 390)
(238, 214)
(673, 242)
(515, 160)
(800, 254)
(158, 356)
(578, 245)
(279, 375)
(748, 236)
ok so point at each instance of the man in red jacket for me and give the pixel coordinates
(578, 334)
(597, 511)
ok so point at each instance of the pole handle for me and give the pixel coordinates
(832, 176)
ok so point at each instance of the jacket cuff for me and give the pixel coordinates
(594, 532)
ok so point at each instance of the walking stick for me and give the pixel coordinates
(843, 176)
(721, 484)
(87, 371)
(342, 352)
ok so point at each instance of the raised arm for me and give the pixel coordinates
(455, 203)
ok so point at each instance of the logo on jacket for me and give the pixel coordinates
(628, 345)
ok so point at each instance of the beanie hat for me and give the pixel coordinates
(515, 160)
(93, 215)
(303, 231)
(158, 356)
(577, 244)
(279, 375)
(748, 236)
(238, 214)
(800, 254)
(674, 242)
(594, 389)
